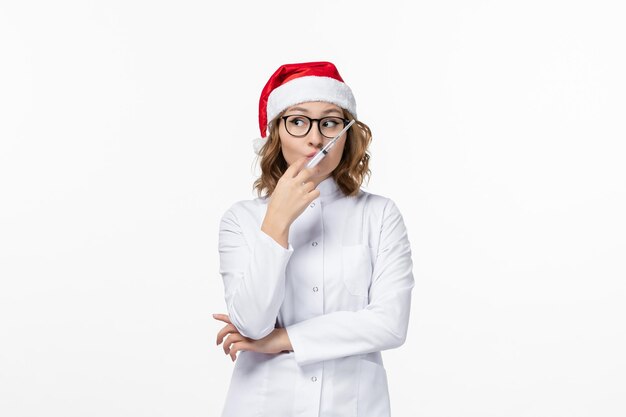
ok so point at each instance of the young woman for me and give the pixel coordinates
(317, 272)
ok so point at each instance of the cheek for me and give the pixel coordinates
(287, 147)
(336, 157)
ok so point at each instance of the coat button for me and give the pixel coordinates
(312, 205)
(314, 244)
(314, 289)
(313, 379)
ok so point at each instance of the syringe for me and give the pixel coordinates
(322, 153)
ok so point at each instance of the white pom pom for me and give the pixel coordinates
(257, 144)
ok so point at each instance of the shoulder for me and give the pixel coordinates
(245, 210)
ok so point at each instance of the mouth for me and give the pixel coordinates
(311, 155)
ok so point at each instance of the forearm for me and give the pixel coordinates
(346, 333)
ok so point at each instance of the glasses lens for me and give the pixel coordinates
(331, 126)
(297, 125)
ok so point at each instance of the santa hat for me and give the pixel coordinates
(296, 83)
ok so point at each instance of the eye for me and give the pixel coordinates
(331, 122)
(297, 121)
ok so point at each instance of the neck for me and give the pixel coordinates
(317, 181)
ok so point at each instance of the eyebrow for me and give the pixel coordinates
(302, 109)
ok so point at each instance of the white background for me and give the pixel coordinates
(125, 133)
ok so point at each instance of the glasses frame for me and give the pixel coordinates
(319, 128)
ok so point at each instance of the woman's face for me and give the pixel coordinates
(294, 148)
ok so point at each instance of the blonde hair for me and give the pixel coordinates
(349, 174)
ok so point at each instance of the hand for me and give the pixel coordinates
(275, 342)
(293, 193)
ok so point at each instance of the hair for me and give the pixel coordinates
(349, 174)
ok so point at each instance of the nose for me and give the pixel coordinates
(314, 137)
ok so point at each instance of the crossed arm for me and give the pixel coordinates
(275, 342)
(254, 302)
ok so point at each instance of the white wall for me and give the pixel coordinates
(125, 132)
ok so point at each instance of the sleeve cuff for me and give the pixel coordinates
(299, 351)
(269, 241)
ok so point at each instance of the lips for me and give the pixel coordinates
(311, 155)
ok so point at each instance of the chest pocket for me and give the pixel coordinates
(356, 269)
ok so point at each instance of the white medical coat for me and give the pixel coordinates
(342, 290)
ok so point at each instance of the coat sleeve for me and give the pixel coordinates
(383, 323)
(252, 265)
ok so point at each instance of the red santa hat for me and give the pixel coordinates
(296, 83)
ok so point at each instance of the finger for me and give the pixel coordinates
(308, 186)
(313, 195)
(239, 347)
(233, 338)
(308, 191)
(306, 173)
(225, 331)
(295, 167)
(222, 317)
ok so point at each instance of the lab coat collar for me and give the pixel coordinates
(329, 190)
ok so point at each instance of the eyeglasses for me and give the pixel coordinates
(299, 126)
